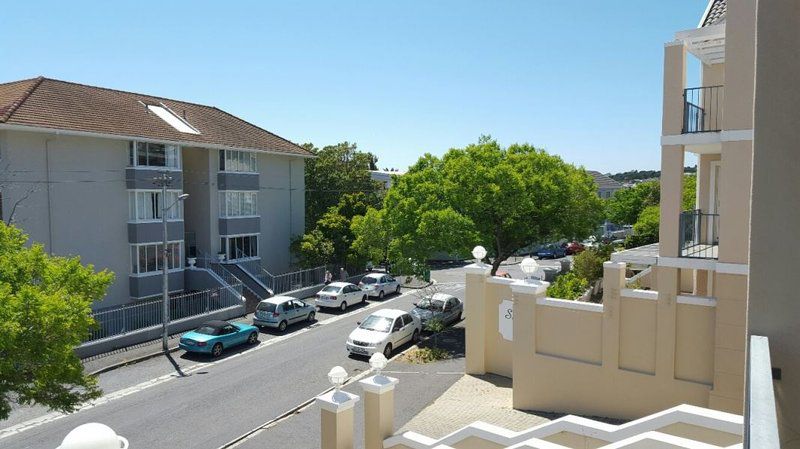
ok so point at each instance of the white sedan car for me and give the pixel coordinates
(339, 295)
(379, 284)
(384, 331)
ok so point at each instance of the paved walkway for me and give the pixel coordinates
(485, 398)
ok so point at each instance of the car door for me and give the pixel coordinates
(391, 283)
(229, 335)
(381, 287)
(300, 310)
(288, 311)
(355, 294)
(408, 327)
(397, 332)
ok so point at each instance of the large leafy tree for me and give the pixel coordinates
(44, 313)
(625, 205)
(502, 198)
(335, 171)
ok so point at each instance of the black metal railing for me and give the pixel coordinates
(699, 234)
(702, 109)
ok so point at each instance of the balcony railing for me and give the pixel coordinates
(699, 234)
(702, 109)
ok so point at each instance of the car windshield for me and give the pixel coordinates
(368, 280)
(376, 323)
(207, 330)
(331, 289)
(266, 306)
(429, 303)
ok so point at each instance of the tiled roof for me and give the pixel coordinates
(603, 181)
(716, 13)
(48, 103)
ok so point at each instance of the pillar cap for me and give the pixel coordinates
(378, 384)
(478, 268)
(530, 287)
(337, 401)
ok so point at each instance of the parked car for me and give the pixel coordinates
(214, 336)
(550, 252)
(574, 248)
(281, 311)
(441, 306)
(379, 284)
(340, 295)
(383, 331)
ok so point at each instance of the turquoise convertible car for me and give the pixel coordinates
(214, 336)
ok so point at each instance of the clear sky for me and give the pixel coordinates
(579, 78)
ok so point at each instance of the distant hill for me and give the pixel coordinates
(636, 175)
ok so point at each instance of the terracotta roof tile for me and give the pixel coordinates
(716, 13)
(603, 181)
(49, 103)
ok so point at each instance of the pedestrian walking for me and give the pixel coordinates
(328, 277)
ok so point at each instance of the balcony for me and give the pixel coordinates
(702, 109)
(699, 235)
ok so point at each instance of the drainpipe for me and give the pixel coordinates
(49, 203)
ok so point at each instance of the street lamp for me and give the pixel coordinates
(164, 181)
(479, 253)
(529, 267)
(95, 436)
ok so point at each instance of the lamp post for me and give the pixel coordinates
(479, 253)
(164, 180)
(529, 267)
(378, 362)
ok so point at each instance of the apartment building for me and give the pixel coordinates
(605, 185)
(80, 167)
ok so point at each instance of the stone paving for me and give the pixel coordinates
(473, 398)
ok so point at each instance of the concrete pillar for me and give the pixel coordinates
(475, 327)
(378, 410)
(666, 320)
(336, 417)
(524, 294)
(674, 83)
(613, 283)
(671, 199)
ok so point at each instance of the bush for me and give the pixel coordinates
(568, 286)
(588, 265)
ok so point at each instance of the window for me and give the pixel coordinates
(148, 257)
(238, 161)
(239, 247)
(146, 205)
(237, 204)
(173, 119)
(148, 154)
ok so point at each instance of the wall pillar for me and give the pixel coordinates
(666, 321)
(475, 326)
(613, 283)
(336, 419)
(674, 83)
(378, 410)
(524, 295)
(671, 200)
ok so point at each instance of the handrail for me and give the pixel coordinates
(702, 109)
(699, 234)
(220, 270)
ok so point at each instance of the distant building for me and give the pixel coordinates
(384, 176)
(605, 185)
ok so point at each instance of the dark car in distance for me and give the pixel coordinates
(550, 252)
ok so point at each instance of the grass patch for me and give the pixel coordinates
(425, 355)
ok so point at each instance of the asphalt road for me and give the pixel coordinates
(188, 400)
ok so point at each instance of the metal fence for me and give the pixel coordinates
(130, 318)
(702, 109)
(282, 283)
(699, 234)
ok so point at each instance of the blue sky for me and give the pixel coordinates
(579, 78)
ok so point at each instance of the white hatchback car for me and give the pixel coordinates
(383, 331)
(339, 295)
(379, 284)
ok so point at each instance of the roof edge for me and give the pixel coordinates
(27, 93)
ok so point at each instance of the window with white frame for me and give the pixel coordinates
(148, 257)
(148, 154)
(144, 205)
(238, 161)
(240, 246)
(238, 204)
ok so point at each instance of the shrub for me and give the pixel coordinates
(588, 265)
(568, 286)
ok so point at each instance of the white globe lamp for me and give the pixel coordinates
(529, 267)
(336, 376)
(378, 362)
(93, 436)
(479, 253)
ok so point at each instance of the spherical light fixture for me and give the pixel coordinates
(93, 436)
(528, 266)
(479, 253)
(378, 362)
(336, 376)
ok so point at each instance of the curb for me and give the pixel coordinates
(131, 361)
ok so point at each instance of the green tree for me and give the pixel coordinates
(568, 286)
(645, 229)
(372, 235)
(588, 265)
(335, 171)
(625, 205)
(45, 312)
(502, 198)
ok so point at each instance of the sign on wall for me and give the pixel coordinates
(506, 317)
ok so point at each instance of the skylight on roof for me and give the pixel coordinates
(177, 122)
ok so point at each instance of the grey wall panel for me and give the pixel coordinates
(141, 178)
(237, 181)
(146, 286)
(153, 232)
(236, 226)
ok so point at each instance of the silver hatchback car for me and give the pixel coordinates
(281, 311)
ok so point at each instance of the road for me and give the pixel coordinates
(189, 400)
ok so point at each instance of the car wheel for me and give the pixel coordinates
(380, 295)
(364, 298)
(415, 337)
(343, 306)
(282, 326)
(310, 317)
(397, 290)
(253, 338)
(216, 350)
(387, 351)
